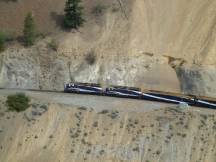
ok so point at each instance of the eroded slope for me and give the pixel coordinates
(54, 132)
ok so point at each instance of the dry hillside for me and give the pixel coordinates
(165, 45)
(65, 133)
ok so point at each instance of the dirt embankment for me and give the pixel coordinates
(57, 132)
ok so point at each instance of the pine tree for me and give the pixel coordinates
(2, 41)
(73, 14)
(2, 44)
(29, 30)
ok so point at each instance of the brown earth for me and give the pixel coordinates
(58, 132)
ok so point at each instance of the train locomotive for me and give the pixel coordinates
(136, 93)
(84, 88)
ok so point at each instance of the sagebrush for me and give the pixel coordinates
(18, 102)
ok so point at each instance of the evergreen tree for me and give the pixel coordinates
(2, 42)
(73, 14)
(29, 30)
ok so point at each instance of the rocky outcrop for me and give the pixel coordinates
(197, 80)
(33, 68)
(42, 68)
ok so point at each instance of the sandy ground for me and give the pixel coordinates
(78, 128)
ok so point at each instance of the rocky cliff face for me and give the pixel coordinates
(42, 68)
(167, 45)
(197, 80)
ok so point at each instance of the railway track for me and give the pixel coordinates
(152, 96)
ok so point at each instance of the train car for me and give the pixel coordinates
(207, 99)
(133, 92)
(190, 100)
(203, 103)
(158, 98)
(120, 91)
(166, 97)
(84, 88)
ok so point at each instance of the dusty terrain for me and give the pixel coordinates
(167, 45)
(164, 45)
(124, 130)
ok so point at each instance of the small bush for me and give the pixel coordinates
(53, 45)
(82, 108)
(115, 9)
(136, 149)
(95, 124)
(45, 107)
(98, 10)
(113, 115)
(158, 152)
(102, 152)
(4, 38)
(51, 136)
(90, 58)
(88, 151)
(18, 102)
(104, 112)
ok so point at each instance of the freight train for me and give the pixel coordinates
(133, 92)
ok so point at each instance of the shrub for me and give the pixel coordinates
(98, 10)
(82, 108)
(5, 37)
(18, 102)
(104, 112)
(114, 115)
(115, 9)
(44, 106)
(102, 152)
(88, 151)
(53, 45)
(90, 58)
(51, 136)
(136, 149)
(95, 124)
(29, 30)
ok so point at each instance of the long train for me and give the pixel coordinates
(132, 92)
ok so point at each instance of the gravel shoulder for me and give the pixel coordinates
(96, 102)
